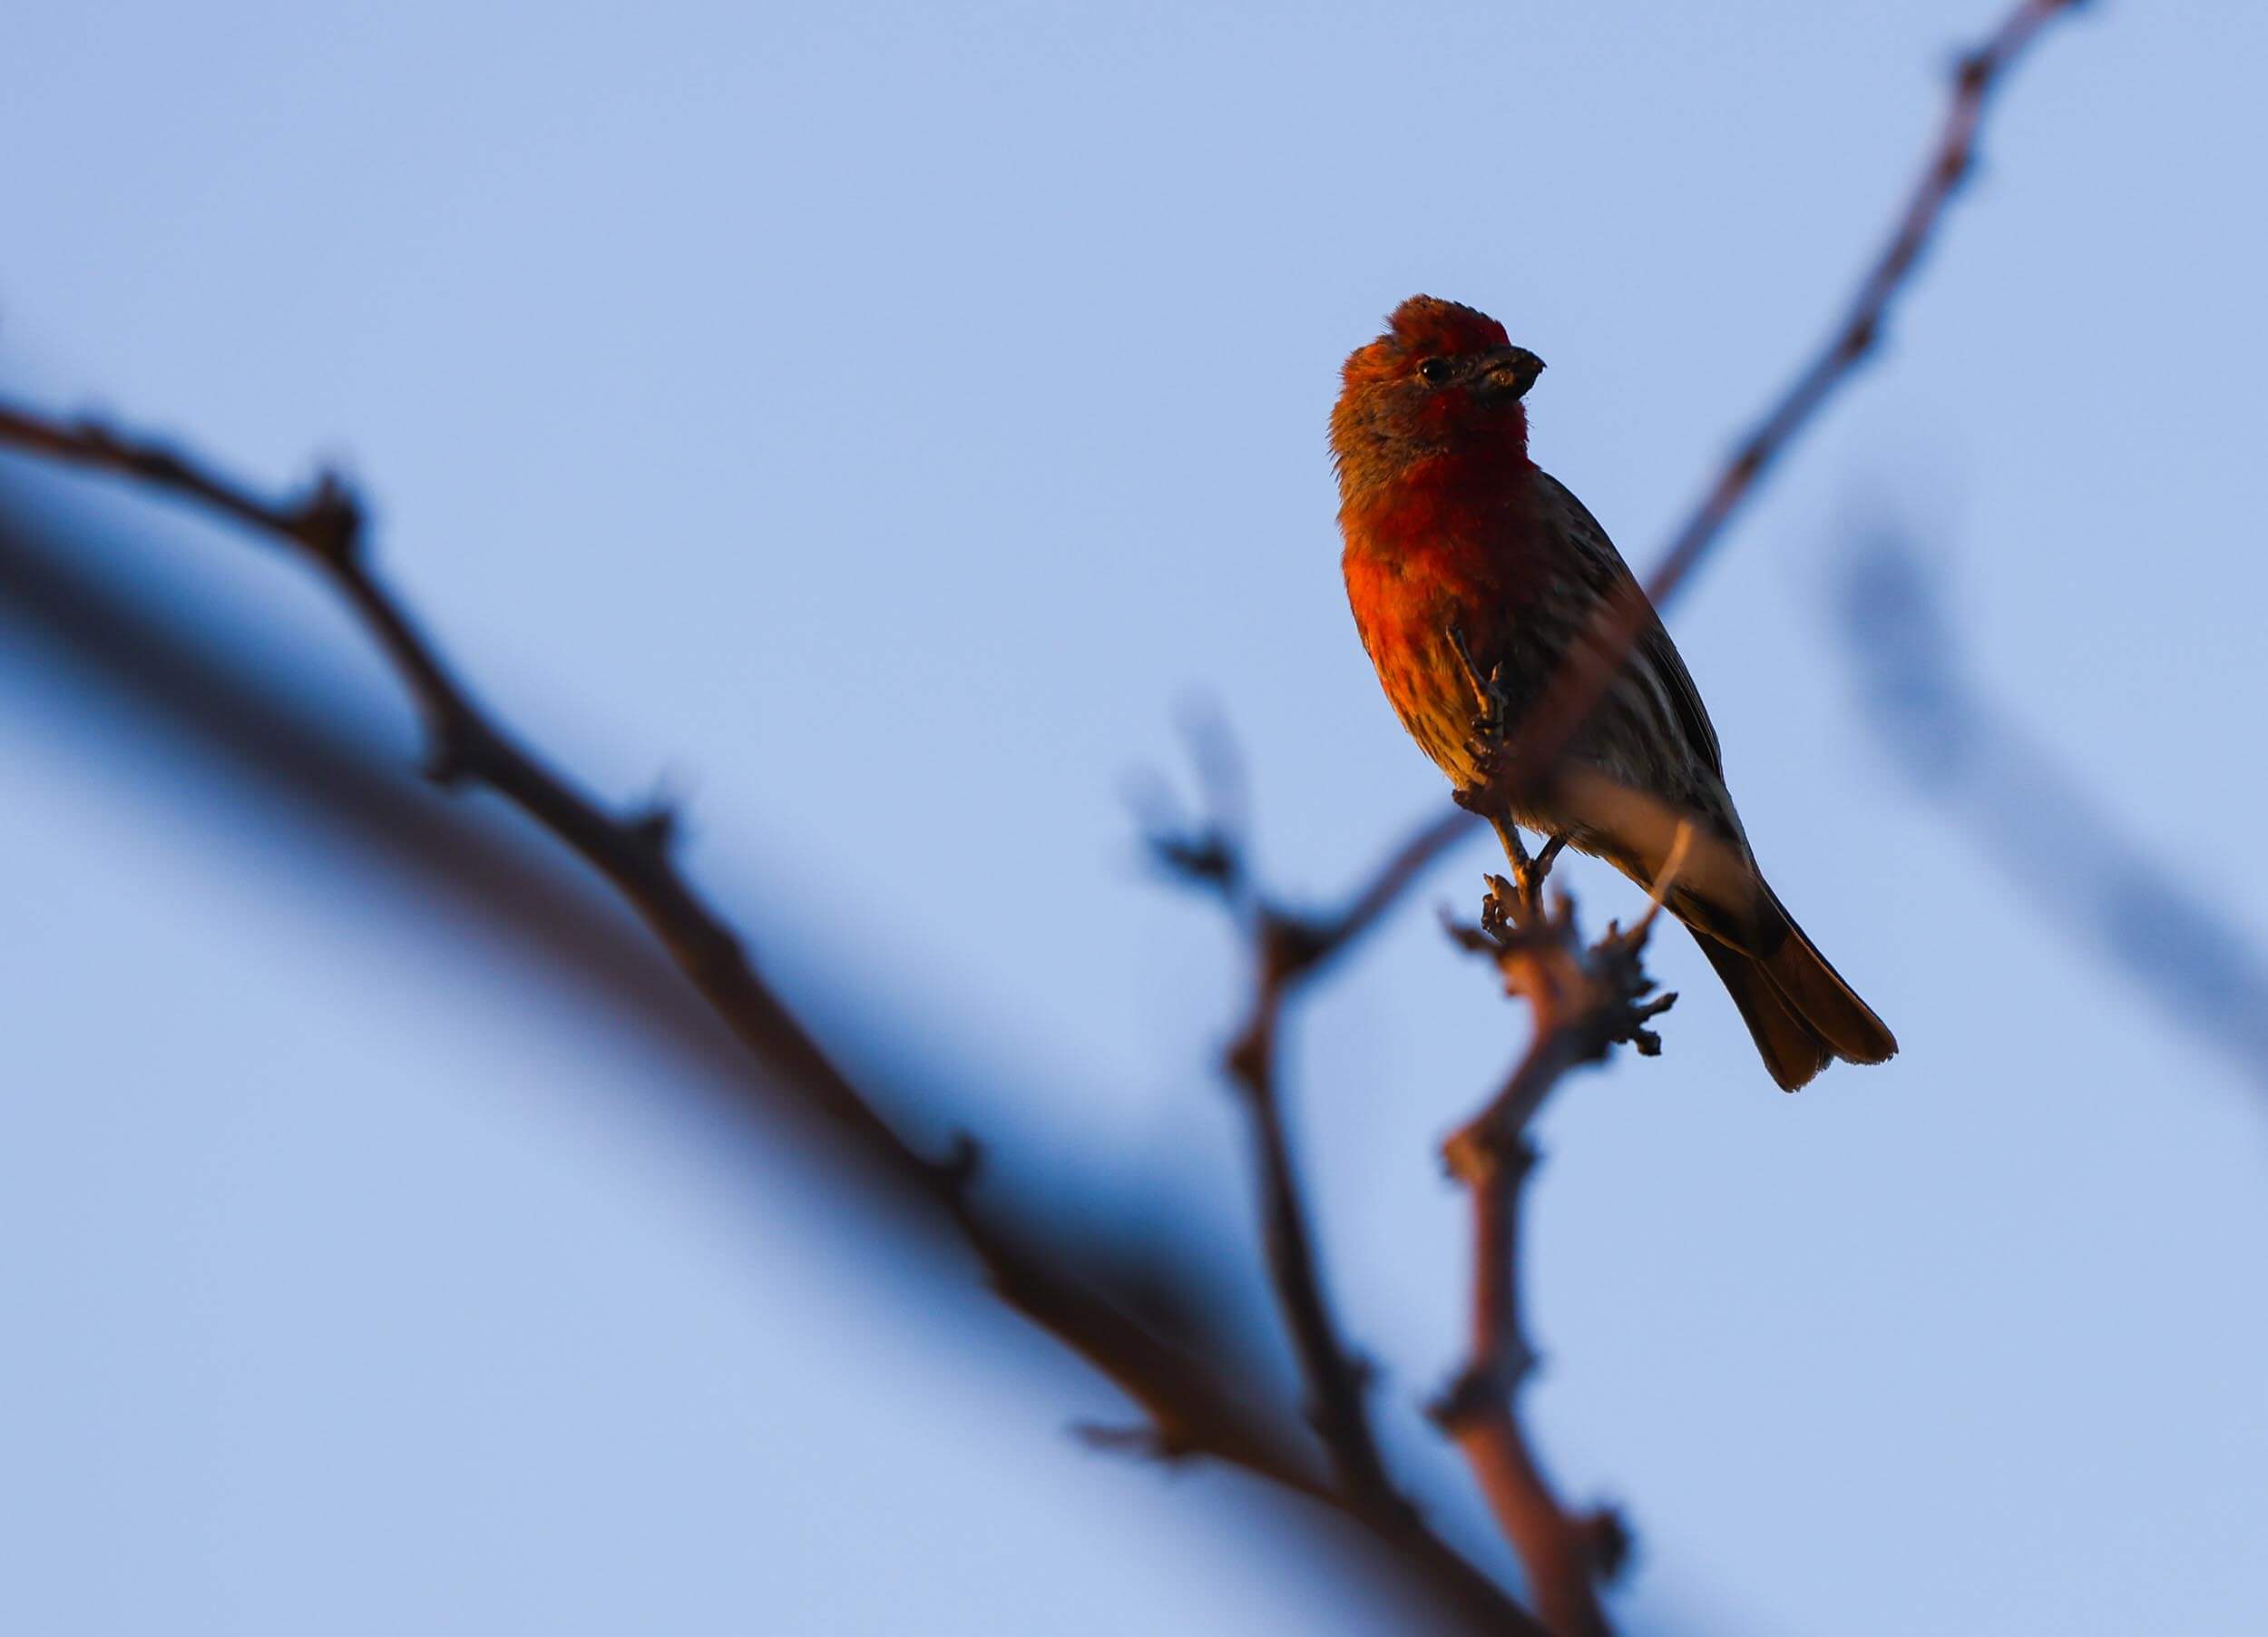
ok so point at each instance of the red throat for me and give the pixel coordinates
(1469, 491)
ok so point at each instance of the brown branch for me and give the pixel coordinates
(1288, 951)
(1567, 1556)
(1337, 1381)
(1288, 947)
(1585, 1002)
(1951, 162)
(1192, 1411)
(1492, 1154)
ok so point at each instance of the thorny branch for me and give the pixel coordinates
(1191, 1410)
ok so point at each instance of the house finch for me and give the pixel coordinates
(1474, 574)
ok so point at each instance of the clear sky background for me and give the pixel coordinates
(875, 422)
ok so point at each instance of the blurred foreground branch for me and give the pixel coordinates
(2033, 815)
(1194, 1408)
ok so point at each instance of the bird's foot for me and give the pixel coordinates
(1520, 901)
(1488, 790)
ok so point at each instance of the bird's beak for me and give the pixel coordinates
(1510, 371)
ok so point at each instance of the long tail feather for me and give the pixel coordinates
(1815, 991)
(1792, 1049)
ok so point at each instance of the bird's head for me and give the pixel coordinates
(1443, 380)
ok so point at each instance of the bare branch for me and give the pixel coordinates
(1288, 951)
(1567, 1556)
(1290, 948)
(1585, 1002)
(1950, 161)
(1533, 758)
(1193, 1410)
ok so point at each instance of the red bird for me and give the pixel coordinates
(1472, 574)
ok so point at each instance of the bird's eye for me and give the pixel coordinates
(1434, 370)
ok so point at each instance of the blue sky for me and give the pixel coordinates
(875, 422)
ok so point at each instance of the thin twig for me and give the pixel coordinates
(1338, 1380)
(1952, 162)
(1395, 875)
(1552, 726)
(1288, 951)
(1191, 1411)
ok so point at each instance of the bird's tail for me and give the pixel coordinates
(1797, 1005)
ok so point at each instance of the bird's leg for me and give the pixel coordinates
(1488, 725)
(1509, 903)
(1515, 849)
(1489, 722)
(1528, 873)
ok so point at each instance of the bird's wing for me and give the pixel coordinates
(1654, 653)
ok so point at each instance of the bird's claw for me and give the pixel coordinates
(1519, 902)
(1490, 758)
(1494, 720)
